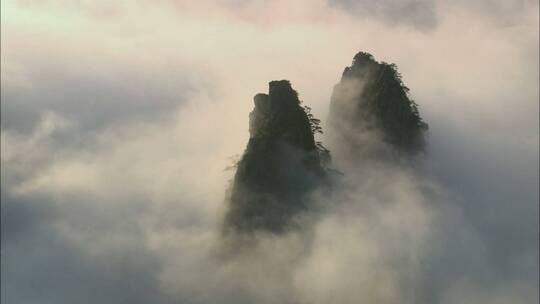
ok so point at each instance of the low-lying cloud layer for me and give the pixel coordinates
(119, 119)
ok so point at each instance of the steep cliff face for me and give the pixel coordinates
(280, 166)
(371, 102)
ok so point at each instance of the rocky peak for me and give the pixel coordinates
(280, 166)
(278, 116)
(371, 97)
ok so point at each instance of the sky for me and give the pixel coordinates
(119, 119)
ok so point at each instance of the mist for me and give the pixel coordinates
(119, 120)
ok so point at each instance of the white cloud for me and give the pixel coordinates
(120, 120)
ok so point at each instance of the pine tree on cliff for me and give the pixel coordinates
(371, 97)
(281, 166)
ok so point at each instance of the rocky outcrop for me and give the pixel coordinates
(371, 110)
(371, 115)
(280, 167)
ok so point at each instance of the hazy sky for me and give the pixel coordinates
(119, 117)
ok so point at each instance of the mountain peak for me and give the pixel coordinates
(280, 166)
(371, 98)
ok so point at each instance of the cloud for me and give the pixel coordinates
(427, 14)
(417, 13)
(116, 128)
(40, 264)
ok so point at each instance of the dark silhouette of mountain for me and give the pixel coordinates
(281, 165)
(371, 101)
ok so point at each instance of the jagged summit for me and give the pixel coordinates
(372, 97)
(278, 116)
(280, 166)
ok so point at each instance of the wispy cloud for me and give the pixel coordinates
(118, 120)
